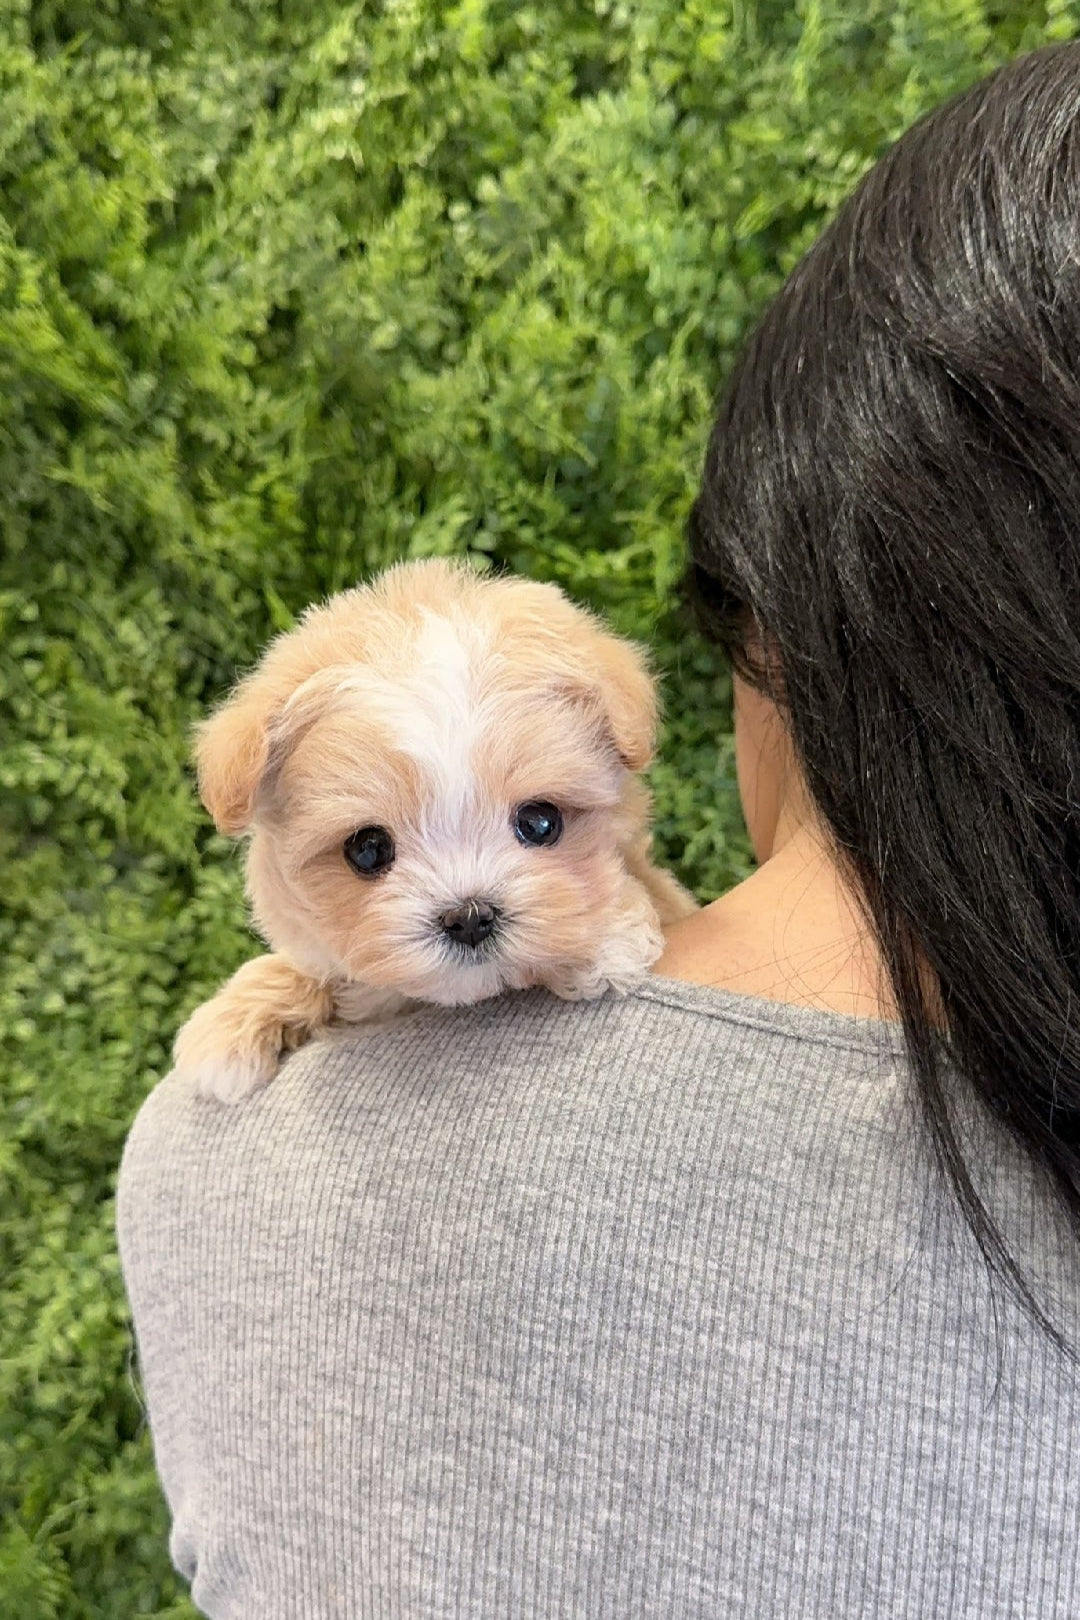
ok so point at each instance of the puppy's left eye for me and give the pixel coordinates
(369, 851)
(538, 822)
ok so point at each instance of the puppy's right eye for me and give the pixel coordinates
(369, 851)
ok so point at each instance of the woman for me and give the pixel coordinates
(757, 1292)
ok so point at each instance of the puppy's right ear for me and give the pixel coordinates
(232, 752)
(252, 732)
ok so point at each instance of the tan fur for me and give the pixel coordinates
(431, 702)
(266, 1008)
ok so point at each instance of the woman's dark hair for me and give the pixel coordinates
(891, 502)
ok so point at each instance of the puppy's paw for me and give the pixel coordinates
(631, 943)
(575, 984)
(669, 900)
(223, 1057)
(233, 1043)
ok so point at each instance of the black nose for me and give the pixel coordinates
(471, 922)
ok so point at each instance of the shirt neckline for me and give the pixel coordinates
(816, 1024)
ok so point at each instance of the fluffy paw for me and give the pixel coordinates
(223, 1060)
(233, 1043)
(632, 943)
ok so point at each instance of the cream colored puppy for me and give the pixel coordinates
(437, 773)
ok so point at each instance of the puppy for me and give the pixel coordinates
(437, 772)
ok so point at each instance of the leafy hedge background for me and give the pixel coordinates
(286, 292)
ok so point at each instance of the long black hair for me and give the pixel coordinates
(887, 540)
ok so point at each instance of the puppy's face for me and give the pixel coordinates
(438, 783)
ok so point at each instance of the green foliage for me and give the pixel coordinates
(287, 292)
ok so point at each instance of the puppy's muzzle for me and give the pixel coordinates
(470, 923)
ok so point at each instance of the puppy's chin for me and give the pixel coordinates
(446, 975)
(460, 982)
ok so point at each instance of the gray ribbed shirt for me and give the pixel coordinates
(642, 1309)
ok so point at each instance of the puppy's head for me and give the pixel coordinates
(434, 770)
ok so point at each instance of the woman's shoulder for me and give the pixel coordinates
(807, 1120)
(688, 1040)
(671, 1082)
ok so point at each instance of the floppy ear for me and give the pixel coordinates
(628, 696)
(288, 689)
(232, 752)
(254, 728)
(612, 680)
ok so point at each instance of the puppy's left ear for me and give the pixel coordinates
(625, 692)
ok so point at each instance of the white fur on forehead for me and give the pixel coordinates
(455, 726)
(453, 667)
(435, 712)
(438, 657)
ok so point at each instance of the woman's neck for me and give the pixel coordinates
(792, 931)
